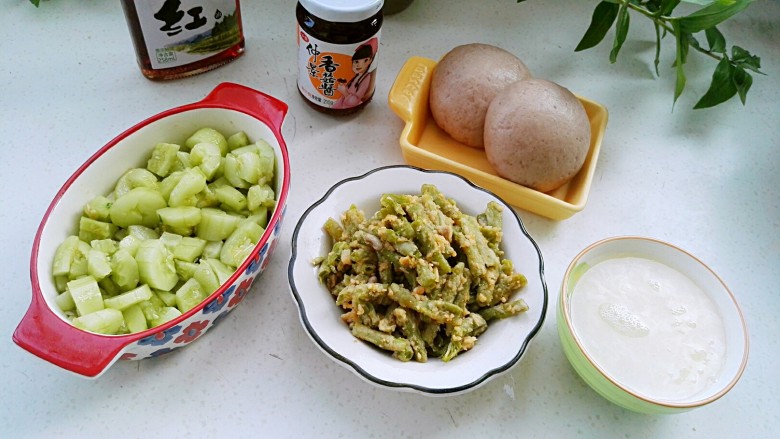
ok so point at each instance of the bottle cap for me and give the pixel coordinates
(343, 11)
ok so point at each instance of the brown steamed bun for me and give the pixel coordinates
(464, 82)
(537, 134)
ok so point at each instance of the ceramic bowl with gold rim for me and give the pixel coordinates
(650, 327)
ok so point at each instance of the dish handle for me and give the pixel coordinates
(248, 100)
(45, 335)
(408, 96)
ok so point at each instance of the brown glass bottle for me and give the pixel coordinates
(226, 53)
(348, 39)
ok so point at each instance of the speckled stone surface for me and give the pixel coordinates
(706, 181)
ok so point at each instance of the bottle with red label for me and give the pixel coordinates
(178, 38)
(338, 44)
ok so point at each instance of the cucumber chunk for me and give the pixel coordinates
(180, 220)
(231, 172)
(185, 270)
(240, 243)
(189, 295)
(212, 249)
(249, 166)
(216, 225)
(135, 178)
(64, 256)
(107, 246)
(98, 208)
(90, 229)
(231, 197)
(185, 192)
(143, 232)
(86, 295)
(208, 135)
(65, 301)
(135, 319)
(155, 265)
(98, 264)
(170, 182)
(124, 270)
(167, 297)
(267, 162)
(163, 159)
(78, 266)
(208, 158)
(222, 271)
(129, 298)
(137, 207)
(104, 321)
(166, 314)
(206, 277)
(237, 140)
(260, 196)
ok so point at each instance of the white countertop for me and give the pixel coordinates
(705, 180)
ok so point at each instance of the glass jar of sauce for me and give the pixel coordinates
(338, 41)
(178, 38)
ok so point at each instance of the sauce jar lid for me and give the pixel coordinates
(343, 11)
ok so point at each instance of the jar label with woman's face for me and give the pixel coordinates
(337, 76)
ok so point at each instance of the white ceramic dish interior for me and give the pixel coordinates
(498, 349)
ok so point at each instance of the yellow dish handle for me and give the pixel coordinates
(409, 94)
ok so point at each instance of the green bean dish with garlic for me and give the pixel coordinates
(420, 278)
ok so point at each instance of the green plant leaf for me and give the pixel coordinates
(601, 21)
(743, 58)
(682, 48)
(743, 81)
(715, 40)
(667, 6)
(712, 15)
(621, 31)
(36, 2)
(722, 87)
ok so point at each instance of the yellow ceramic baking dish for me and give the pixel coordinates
(425, 145)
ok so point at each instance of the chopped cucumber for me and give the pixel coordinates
(78, 266)
(104, 321)
(249, 166)
(86, 295)
(107, 246)
(129, 298)
(180, 220)
(185, 270)
(189, 295)
(168, 298)
(206, 277)
(185, 192)
(65, 301)
(124, 270)
(90, 229)
(64, 256)
(137, 207)
(216, 225)
(98, 208)
(237, 140)
(212, 249)
(163, 158)
(109, 288)
(135, 319)
(170, 182)
(240, 243)
(208, 158)
(231, 197)
(130, 244)
(135, 178)
(155, 265)
(166, 314)
(231, 172)
(61, 283)
(260, 196)
(98, 264)
(208, 135)
(222, 271)
(143, 232)
(267, 161)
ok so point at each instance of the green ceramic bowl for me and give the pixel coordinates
(601, 380)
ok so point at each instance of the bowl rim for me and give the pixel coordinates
(350, 364)
(566, 315)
